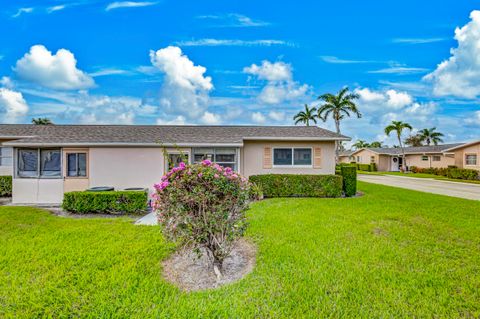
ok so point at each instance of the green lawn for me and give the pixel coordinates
(390, 253)
(420, 175)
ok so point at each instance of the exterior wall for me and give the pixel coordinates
(37, 190)
(416, 160)
(252, 154)
(126, 167)
(365, 157)
(346, 159)
(460, 156)
(383, 164)
(6, 161)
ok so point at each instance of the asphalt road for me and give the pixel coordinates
(455, 189)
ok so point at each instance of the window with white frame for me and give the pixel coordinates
(6, 156)
(39, 163)
(359, 159)
(292, 156)
(77, 164)
(226, 157)
(471, 159)
(436, 158)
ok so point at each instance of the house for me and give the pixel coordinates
(48, 160)
(466, 155)
(390, 158)
(346, 156)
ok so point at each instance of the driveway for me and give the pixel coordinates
(455, 189)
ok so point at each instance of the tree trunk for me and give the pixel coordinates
(217, 269)
(337, 144)
(404, 160)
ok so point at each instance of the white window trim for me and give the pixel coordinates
(293, 156)
(39, 164)
(236, 163)
(476, 159)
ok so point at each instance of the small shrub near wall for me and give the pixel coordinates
(349, 174)
(289, 185)
(367, 167)
(5, 186)
(114, 202)
(450, 172)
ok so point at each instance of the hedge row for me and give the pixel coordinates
(450, 172)
(289, 185)
(5, 186)
(349, 174)
(367, 167)
(114, 202)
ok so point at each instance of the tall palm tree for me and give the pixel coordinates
(428, 135)
(42, 121)
(338, 106)
(398, 127)
(306, 116)
(360, 144)
(413, 140)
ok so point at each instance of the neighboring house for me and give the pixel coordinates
(48, 160)
(390, 158)
(346, 157)
(466, 155)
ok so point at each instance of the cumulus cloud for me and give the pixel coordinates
(210, 118)
(277, 115)
(185, 89)
(258, 118)
(179, 120)
(280, 86)
(377, 100)
(460, 74)
(474, 119)
(12, 105)
(128, 4)
(55, 71)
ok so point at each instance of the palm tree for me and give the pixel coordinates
(306, 116)
(360, 144)
(42, 121)
(413, 140)
(398, 127)
(428, 135)
(376, 144)
(338, 106)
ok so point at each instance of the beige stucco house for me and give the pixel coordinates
(466, 155)
(390, 158)
(46, 161)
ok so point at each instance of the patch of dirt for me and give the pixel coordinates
(379, 231)
(188, 272)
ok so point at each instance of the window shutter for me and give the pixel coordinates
(317, 157)
(267, 157)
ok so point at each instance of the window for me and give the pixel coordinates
(436, 158)
(226, 157)
(372, 159)
(39, 163)
(292, 156)
(6, 154)
(76, 164)
(424, 158)
(359, 159)
(471, 159)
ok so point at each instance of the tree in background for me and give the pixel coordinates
(42, 121)
(309, 114)
(338, 106)
(398, 127)
(413, 140)
(376, 144)
(429, 135)
(360, 144)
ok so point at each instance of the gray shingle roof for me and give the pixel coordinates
(154, 134)
(415, 150)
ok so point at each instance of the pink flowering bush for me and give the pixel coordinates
(203, 206)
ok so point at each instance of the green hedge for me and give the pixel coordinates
(114, 202)
(450, 172)
(5, 186)
(367, 167)
(349, 174)
(289, 185)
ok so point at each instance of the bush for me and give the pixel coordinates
(5, 186)
(289, 185)
(203, 206)
(450, 172)
(349, 174)
(112, 202)
(367, 167)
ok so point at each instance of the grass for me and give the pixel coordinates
(421, 175)
(391, 253)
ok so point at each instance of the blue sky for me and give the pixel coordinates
(241, 62)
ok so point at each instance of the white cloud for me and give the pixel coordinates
(5, 81)
(57, 71)
(22, 11)
(210, 118)
(378, 100)
(185, 88)
(258, 117)
(280, 85)
(104, 72)
(336, 60)
(56, 8)
(277, 115)
(128, 4)
(232, 42)
(417, 40)
(12, 105)
(397, 99)
(460, 74)
(179, 120)
(474, 119)
(399, 70)
(234, 20)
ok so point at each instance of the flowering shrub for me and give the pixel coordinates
(203, 206)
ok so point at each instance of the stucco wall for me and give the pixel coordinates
(416, 160)
(126, 167)
(365, 157)
(460, 156)
(345, 159)
(37, 190)
(383, 164)
(251, 159)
